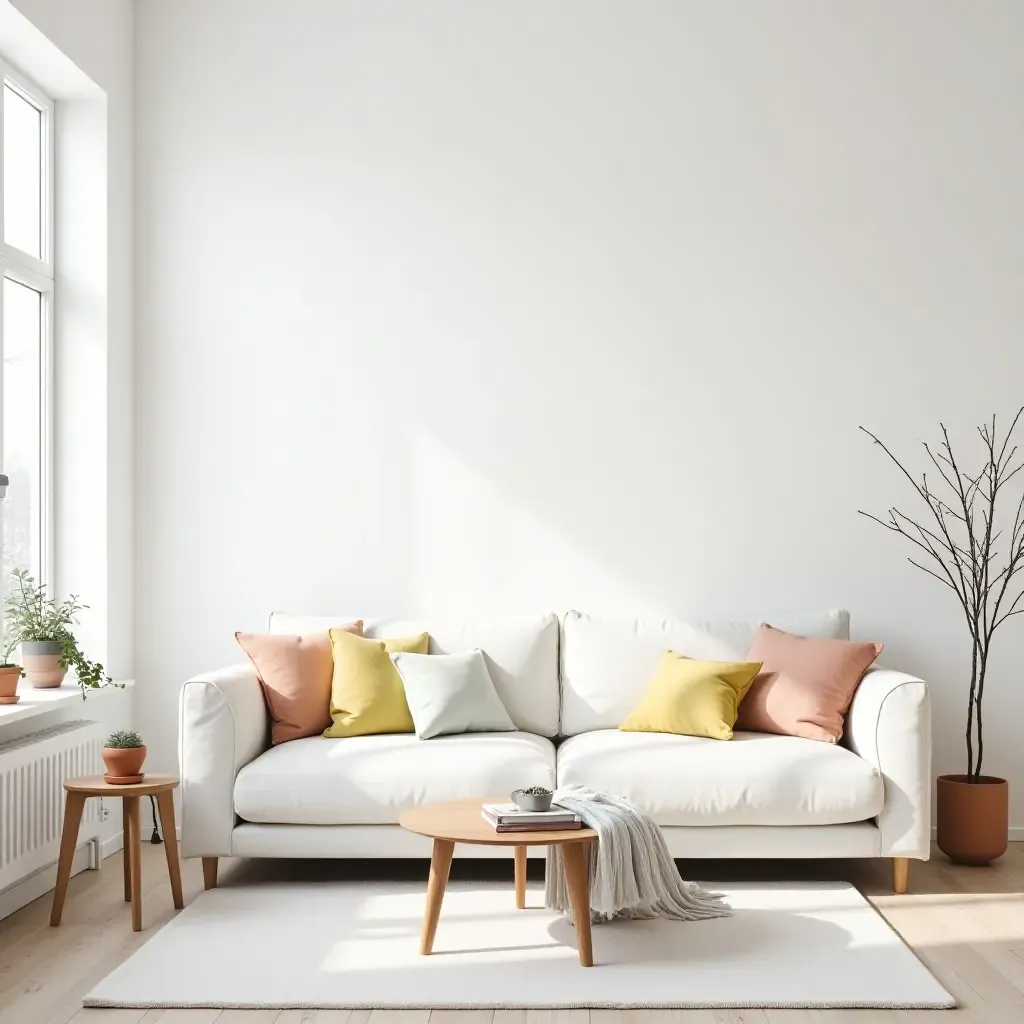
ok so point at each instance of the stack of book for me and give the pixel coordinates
(508, 818)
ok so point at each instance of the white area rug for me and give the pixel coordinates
(345, 944)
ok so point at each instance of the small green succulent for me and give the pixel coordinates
(124, 739)
(537, 791)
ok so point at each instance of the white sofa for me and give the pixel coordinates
(567, 683)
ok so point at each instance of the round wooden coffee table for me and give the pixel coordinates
(460, 822)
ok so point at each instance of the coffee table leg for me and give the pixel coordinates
(440, 865)
(521, 877)
(74, 804)
(577, 880)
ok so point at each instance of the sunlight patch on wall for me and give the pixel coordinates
(478, 548)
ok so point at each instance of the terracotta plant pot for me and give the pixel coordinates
(973, 818)
(9, 676)
(42, 663)
(123, 762)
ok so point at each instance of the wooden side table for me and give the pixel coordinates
(78, 791)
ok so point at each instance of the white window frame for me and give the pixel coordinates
(37, 273)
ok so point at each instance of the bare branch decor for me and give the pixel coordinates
(963, 543)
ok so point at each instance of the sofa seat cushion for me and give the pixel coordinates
(752, 779)
(370, 780)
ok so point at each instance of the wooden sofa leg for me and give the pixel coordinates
(209, 872)
(900, 870)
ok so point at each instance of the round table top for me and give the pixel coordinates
(96, 785)
(460, 822)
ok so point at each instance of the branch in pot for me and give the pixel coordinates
(960, 544)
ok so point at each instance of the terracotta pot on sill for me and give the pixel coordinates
(123, 762)
(42, 663)
(9, 677)
(973, 818)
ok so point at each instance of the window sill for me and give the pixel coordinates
(41, 702)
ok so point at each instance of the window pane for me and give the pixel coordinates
(23, 173)
(22, 422)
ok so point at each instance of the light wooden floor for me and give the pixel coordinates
(967, 924)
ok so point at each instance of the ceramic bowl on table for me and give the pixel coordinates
(527, 800)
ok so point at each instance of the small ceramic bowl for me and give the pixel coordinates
(532, 801)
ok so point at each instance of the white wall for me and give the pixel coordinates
(94, 387)
(467, 307)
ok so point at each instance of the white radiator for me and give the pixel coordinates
(32, 774)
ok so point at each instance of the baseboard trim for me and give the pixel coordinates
(108, 847)
(40, 882)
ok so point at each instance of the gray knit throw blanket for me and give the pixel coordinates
(632, 874)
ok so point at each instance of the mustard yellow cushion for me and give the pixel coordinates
(692, 698)
(367, 695)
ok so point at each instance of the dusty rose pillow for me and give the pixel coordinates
(805, 685)
(295, 674)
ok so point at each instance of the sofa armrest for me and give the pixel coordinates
(223, 725)
(889, 725)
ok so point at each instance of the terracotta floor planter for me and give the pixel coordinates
(972, 818)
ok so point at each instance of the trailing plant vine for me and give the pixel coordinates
(965, 547)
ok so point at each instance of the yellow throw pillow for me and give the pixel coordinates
(692, 698)
(367, 695)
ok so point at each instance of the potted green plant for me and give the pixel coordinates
(972, 542)
(123, 754)
(10, 673)
(43, 628)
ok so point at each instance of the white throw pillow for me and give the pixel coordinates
(450, 694)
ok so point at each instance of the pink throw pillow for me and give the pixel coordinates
(806, 684)
(295, 675)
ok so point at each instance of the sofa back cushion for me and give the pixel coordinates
(521, 653)
(607, 662)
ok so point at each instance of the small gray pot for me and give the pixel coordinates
(41, 661)
(532, 801)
